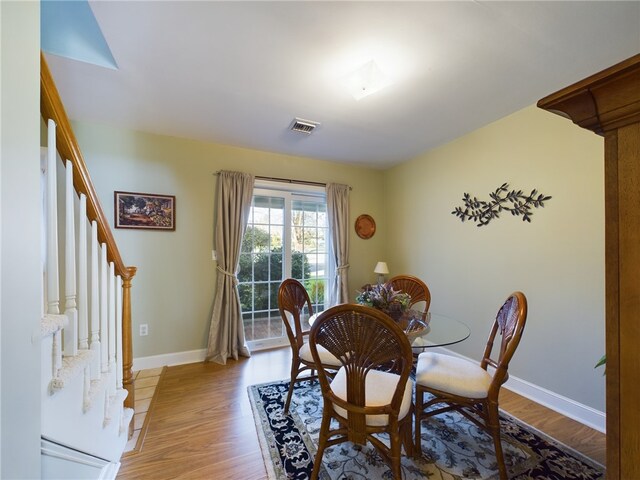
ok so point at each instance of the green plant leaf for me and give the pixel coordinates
(602, 361)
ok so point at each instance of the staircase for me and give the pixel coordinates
(87, 384)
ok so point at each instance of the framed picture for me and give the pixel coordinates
(145, 211)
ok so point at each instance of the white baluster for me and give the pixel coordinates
(95, 304)
(83, 280)
(104, 303)
(53, 292)
(112, 328)
(119, 363)
(70, 305)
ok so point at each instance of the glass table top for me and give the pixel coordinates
(441, 331)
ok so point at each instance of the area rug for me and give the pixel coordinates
(452, 446)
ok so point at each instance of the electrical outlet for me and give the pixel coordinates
(144, 330)
(213, 255)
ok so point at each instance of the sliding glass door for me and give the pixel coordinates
(286, 237)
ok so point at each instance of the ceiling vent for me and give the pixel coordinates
(303, 126)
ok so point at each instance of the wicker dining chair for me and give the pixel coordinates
(416, 288)
(292, 298)
(467, 387)
(371, 393)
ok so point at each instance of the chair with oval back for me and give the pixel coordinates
(416, 288)
(292, 299)
(468, 387)
(371, 393)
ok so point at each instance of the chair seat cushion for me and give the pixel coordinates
(452, 375)
(326, 358)
(380, 387)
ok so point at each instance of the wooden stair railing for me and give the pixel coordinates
(51, 108)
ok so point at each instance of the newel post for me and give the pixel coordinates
(127, 344)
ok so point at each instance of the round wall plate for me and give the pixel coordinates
(365, 226)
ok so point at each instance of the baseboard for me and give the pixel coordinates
(169, 359)
(569, 408)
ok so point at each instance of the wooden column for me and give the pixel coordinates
(127, 344)
(608, 103)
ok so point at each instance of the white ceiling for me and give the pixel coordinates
(238, 72)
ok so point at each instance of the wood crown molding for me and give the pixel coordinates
(602, 102)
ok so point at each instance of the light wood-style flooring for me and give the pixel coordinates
(201, 425)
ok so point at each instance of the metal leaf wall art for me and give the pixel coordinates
(513, 201)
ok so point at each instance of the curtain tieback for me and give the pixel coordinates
(342, 267)
(233, 276)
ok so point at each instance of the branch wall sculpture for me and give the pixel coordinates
(483, 212)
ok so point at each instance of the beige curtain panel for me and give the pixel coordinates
(233, 203)
(338, 217)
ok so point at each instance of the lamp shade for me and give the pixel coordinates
(381, 268)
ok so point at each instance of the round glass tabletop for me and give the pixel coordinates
(442, 331)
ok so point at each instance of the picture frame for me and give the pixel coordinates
(144, 211)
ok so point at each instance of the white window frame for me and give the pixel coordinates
(289, 192)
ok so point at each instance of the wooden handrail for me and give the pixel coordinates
(51, 108)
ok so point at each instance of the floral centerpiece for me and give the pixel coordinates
(383, 297)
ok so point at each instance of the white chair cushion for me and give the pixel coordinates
(452, 375)
(380, 387)
(326, 358)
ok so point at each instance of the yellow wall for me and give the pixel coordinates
(557, 260)
(174, 288)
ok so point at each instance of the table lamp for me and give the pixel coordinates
(382, 270)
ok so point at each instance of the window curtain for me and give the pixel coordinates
(233, 203)
(338, 217)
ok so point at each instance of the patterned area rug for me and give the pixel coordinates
(452, 447)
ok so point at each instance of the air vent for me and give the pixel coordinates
(303, 126)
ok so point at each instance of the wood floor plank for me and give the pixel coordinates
(202, 426)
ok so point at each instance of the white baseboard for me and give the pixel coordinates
(569, 408)
(169, 359)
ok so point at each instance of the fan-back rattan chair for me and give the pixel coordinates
(416, 288)
(292, 298)
(468, 387)
(371, 393)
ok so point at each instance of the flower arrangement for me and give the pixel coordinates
(383, 297)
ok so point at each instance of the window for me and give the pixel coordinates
(286, 237)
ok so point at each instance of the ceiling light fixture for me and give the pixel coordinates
(366, 80)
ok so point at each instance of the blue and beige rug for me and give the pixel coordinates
(452, 447)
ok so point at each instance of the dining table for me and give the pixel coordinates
(440, 330)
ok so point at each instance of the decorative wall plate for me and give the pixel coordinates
(365, 226)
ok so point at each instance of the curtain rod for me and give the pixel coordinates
(288, 180)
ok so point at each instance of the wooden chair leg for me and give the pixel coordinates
(494, 427)
(417, 441)
(406, 434)
(295, 365)
(395, 455)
